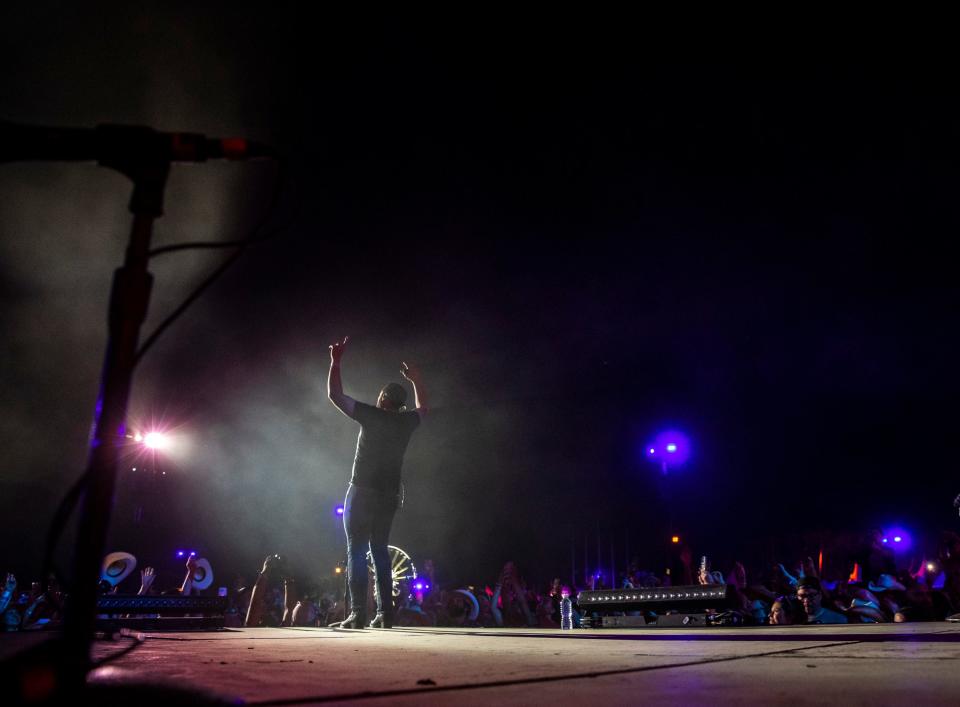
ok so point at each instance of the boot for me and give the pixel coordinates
(354, 620)
(381, 620)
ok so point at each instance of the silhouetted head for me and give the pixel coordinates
(392, 397)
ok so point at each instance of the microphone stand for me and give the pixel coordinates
(129, 300)
(55, 672)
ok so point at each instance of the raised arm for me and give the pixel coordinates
(343, 402)
(257, 608)
(412, 374)
(187, 587)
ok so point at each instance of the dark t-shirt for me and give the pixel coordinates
(383, 439)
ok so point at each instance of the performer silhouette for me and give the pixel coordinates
(374, 490)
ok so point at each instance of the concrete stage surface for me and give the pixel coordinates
(894, 664)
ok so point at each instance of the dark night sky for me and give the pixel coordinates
(582, 234)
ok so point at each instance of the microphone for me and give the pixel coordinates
(113, 145)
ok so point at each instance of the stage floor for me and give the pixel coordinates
(896, 664)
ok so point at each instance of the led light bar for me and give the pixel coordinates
(160, 613)
(692, 598)
(158, 604)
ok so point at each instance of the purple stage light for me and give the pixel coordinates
(897, 539)
(671, 448)
(338, 510)
(180, 553)
(886, 540)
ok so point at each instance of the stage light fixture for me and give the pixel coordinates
(898, 538)
(653, 598)
(685, 606)
(156, 440)
(670, 448)
(153, 613)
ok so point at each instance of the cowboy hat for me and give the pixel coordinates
(202, 574)
(116, 567)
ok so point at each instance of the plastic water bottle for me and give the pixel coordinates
(566, 610)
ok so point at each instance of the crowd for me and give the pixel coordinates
(870, 585)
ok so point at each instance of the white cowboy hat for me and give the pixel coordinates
(116, 567)
(202, 574)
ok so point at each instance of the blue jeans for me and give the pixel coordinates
(367, 517)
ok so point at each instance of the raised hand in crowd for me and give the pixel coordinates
(147, 576)
(9, 587)
(187, 587)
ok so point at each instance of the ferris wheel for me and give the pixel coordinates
(401, 566)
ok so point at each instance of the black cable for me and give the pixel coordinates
(199, 245)
(138, 640)
(175, 314)
(279, 182)
(240, 245)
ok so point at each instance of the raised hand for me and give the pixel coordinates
(786, 575)
(337, 348)
(739, 575)
(412, 374)
(10, 586)
(147, 576)
(270, 563)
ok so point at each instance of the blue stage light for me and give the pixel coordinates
(670, 448)
(898, 538)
